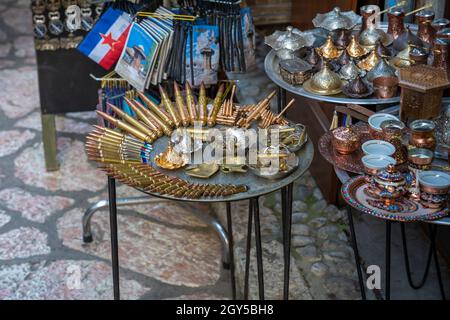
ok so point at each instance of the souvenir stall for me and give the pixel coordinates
(164, 102)
(394, 164)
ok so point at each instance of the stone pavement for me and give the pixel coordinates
(166, 251)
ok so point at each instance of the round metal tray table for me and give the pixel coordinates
(273, 72)
(257, 187)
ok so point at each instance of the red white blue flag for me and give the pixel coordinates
(105, 42)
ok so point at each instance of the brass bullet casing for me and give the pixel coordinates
(260, 107)
(169, 107)
(190, 101)
(126, 127)
(156, 109)
(217, 104)
(179, 101)
(146, 120)
(132, 121)
(153, 117)
(202, 105)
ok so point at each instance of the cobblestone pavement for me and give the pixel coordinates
(166, 251)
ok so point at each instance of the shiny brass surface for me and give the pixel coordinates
(355, 50)
(191, 105)
(324, 82)
(217, 104)
(370, 62)
(329, 50)
(157, 110)
(203, 105)
(167, 102)
(181, 106)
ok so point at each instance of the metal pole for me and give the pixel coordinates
(388, 260)
(230, 249)
(249, 248)
(356, 253)
(114, 236)
(287, 241)
(259, 260)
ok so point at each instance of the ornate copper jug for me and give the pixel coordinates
(396, 24)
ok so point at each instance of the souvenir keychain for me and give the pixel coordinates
(72, 24)
(39, 27)
(87, 22)
(55, 26)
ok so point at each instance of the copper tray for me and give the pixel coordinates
(351, 162)
(354, 193)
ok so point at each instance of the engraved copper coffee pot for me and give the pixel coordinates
(441, 50)
(396, 24)
(426, 32)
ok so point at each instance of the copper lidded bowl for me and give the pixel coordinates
(325, 82)
(391, 184)
(345, 140)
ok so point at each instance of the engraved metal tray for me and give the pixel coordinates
(353, 192)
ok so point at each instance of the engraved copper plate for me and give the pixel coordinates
(354, 192)
(351, 162)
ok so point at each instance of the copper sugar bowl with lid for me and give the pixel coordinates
(390, 184)
(396, 25)
(345, 140)
(422, 134)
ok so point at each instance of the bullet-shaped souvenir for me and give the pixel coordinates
(217, 104)
(153, 117)
(181, 107)
(191, 105)
(146, 120)
(169, 107)
(126, 127)
(156, 109)
(132, 121)
(202, 105)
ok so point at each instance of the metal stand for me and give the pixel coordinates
(231, 250)
(356, 253)
(248, 248)
(122, 202)
(432, 252)
(114, 236)
(286, 196)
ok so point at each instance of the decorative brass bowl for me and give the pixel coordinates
(370, 62)
(336, 19)
(329, 50)
(355, 50)
(325, 82)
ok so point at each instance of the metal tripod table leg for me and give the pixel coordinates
(114, 236)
